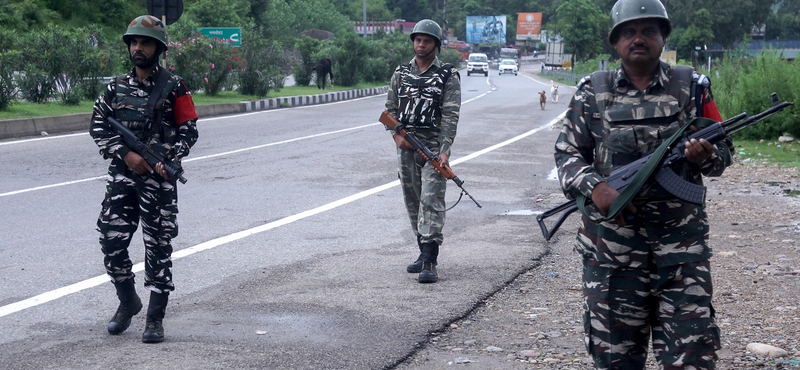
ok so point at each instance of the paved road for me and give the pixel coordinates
(293, 239)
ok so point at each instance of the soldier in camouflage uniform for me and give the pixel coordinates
(647, 274)
(425, 97)
(135, 190)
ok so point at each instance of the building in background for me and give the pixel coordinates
(371, 27)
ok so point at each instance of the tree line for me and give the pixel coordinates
(55, 49)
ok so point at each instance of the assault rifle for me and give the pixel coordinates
(391, 122)
(620, 178)
(173, 168)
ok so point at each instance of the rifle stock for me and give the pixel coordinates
(389, 121)
(173, 168)
(621, 177)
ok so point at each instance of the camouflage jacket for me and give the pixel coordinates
(632, 124)
(125, 99)
(443, 133)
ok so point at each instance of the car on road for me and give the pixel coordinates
(478, 63)
(507, 66)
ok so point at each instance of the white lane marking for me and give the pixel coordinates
(545, 83)
(195, 158)
(200, 120)
(139, 267)
(15, 192)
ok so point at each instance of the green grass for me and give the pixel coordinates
(31, 110)
(770, 153)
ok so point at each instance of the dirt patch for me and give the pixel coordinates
(536, 321)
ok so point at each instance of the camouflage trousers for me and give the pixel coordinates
(423, 193)
(126, 202)
(624, 307)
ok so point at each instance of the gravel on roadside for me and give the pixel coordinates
(535, 321)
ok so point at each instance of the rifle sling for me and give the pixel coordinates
(153, 109)
(602, 82)
(643, 174)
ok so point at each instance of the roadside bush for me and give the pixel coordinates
(205, 63)
(347, 59)
(10, 62)
(308, 48)
(450, 56)
(263, 71)
(745, 85)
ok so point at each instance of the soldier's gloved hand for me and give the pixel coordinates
(698, 151)
(137, 163)
(401, 142)
(603, 195)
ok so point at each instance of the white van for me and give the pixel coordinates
(478, 63)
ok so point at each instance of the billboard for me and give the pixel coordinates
(486, 29)
(528, 26)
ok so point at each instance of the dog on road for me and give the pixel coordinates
(542, 98)
(554, 91)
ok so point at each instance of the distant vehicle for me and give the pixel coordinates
(463, 48)
(509, 53)
(507, 66)
(478, 63)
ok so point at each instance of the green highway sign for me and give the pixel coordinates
(232, 34)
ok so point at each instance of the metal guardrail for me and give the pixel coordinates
(562, 75)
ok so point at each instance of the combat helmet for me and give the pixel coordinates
(428, 27)
(628, 10)
(147, 25)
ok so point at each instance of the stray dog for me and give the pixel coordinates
(542, 98)
(554, 91)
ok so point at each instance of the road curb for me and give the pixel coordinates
(42, 126)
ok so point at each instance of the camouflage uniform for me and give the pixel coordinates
(431, 112)
(652, 274)
(129, 197)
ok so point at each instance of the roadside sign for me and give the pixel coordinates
(232, 34)
(171, 8)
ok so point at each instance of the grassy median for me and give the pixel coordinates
(30, 110)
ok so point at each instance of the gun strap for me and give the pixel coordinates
(643, 174)
(602, 82)
(155, 102)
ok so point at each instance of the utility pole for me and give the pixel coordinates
(444, 19)
(365, 18)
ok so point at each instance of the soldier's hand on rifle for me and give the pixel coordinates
(161, 169)
(137, 163)
(604, 195)
(698, 151)
(401, 142)
(444, 159)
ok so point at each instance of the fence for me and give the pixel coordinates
(564, 76)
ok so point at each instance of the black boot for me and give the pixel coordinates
(416, 266)
(154, 330)
(129, 306)
(430, 251)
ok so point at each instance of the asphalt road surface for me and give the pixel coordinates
(293, 239)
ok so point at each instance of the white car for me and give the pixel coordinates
(478, 63)
(507, 66)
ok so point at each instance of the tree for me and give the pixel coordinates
(698, 33)
(583, 26)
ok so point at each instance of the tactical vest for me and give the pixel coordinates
(420, 97)
(138, 109)
(633, 126)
